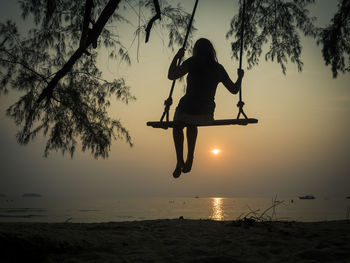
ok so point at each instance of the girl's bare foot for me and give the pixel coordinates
(177, 171)
(188, 165)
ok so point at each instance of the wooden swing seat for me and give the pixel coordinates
(170, 124)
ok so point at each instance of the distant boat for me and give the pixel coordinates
(348, 197)
(196, 196)
(31, 195)
(307, 197)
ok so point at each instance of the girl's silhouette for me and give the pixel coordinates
(197, 105)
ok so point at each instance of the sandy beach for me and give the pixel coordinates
(176, 240)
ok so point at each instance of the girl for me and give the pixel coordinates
(197, 105)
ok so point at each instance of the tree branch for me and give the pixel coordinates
(26, 67)
(93, 35)
(87, 19)
(4, 41)
(154, 18)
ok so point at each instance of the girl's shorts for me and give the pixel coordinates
(181, 117)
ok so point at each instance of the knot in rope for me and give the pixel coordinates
(168, 102)
(240, 104)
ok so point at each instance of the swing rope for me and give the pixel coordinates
(240, 103)
(169, 101)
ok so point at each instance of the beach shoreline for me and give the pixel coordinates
(176, 240)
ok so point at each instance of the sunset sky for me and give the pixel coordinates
(301, 144)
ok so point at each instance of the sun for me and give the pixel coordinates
(216, 151)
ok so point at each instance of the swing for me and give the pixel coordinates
(168, 102)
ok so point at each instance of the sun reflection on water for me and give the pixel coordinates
(217, 212)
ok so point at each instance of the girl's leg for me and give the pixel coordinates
(191, 133)
(178, 137)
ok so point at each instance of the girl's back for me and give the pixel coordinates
(202, 80)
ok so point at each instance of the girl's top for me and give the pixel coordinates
(202, 81)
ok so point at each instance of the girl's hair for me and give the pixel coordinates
(204, 48)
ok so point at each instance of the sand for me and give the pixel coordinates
(177, 240)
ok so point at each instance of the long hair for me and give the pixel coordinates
(204, 49)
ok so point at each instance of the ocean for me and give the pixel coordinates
(42, 209)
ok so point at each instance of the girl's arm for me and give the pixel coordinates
(233, 87)
(176, 71)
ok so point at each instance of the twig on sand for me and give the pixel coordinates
(249, 218)
(265, 217)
